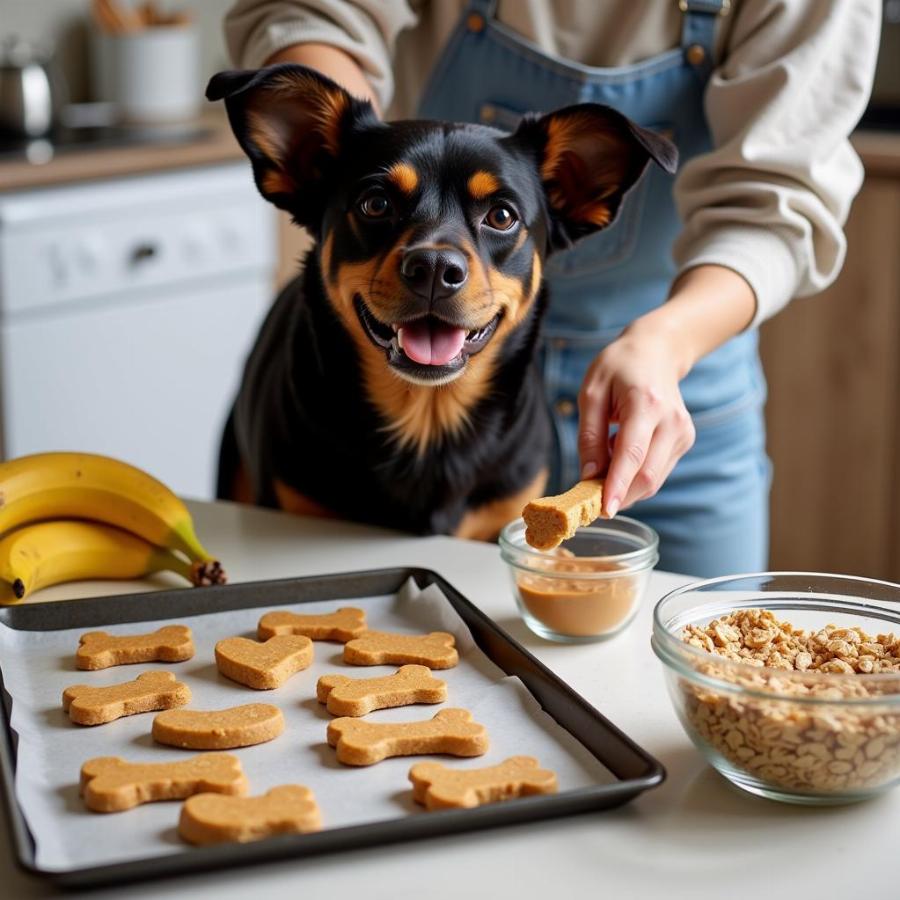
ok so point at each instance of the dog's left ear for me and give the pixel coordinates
(293, 124)
(588, 156)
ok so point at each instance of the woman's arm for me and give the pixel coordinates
(771, 198)
(763, 213)
(351, 41)
(634, 383)
(332, 62)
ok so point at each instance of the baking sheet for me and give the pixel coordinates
(38, 665)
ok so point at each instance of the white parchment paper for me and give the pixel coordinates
(37, 666)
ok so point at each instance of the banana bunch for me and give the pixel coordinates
(71, 516)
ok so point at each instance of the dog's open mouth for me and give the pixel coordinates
(428, 348)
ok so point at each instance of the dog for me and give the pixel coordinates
(394, 381)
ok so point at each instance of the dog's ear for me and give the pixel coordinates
(293, 124)
(588, 156)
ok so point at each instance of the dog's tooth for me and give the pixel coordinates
(398, 339)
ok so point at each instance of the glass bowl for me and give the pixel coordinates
(590, 587)
(807, 737)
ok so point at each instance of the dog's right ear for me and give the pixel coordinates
(293, 124)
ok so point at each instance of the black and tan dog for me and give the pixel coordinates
(394, 381)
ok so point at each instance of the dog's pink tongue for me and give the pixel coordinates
(431, 343)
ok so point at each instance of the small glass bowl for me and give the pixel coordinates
(814, 738)
(590, 587)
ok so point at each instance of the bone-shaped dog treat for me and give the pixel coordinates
(110, 784)
(214, 819)
(551, 520)
(264, 666)
(345, 696)
(436, 786)
(221, 729)
(348, 622)
(89, 705)
(99, 650)
(361, 743)
(376, 648)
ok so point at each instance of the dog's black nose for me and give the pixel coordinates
(434, 273)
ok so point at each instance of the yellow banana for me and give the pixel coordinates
(88, 486)
(37, 556)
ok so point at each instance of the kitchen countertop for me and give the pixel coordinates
(880, 152)
(217, 145)
(695, 836)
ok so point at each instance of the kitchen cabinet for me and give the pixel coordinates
(833, 365)
(128, 304)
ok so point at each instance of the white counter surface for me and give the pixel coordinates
(693, 837)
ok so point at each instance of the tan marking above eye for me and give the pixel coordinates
(404, 177)
(482, 184)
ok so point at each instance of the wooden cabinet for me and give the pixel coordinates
(833, 365)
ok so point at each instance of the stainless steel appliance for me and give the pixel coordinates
(31, 92)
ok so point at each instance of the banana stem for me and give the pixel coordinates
(208, 572)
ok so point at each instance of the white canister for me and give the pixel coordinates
(151, 75)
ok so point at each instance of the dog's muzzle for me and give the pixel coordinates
(427, 349)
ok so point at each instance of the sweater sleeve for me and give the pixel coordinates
(769, 201)
(366, 29)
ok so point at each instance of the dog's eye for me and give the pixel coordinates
(374, 205)
(500, 217)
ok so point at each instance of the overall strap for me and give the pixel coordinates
(698, 31)
(486, 8)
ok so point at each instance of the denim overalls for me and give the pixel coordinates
(712, 512)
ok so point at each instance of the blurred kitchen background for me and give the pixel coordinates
(136, 262)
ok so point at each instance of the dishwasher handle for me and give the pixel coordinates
(142, 253)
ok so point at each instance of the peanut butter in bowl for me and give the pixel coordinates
(587, 590)
(574, 606)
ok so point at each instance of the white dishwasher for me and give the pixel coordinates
(127, 308)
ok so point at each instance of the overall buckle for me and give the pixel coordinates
(721, 8)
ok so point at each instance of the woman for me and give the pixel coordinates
(651, 329)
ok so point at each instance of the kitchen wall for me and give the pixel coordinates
(64, 24)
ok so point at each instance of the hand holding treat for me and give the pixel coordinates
(552, 520)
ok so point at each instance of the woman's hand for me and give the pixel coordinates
(634, 383)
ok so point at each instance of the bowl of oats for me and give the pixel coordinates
(788, 682)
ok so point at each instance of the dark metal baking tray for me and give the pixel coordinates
(635, 769)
